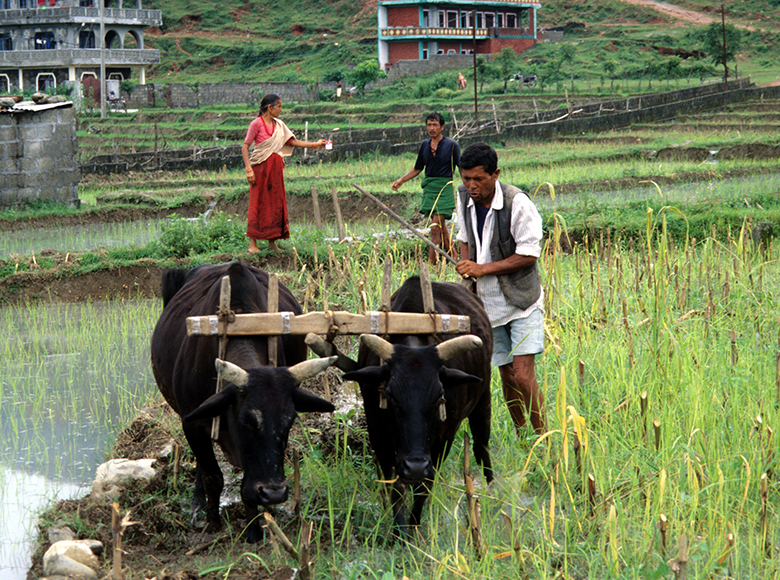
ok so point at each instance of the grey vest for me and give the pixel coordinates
(521, 288)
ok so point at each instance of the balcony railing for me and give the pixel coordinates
(418, 31)
(514, 3)
(400, 32)
(78, 57)
(80, 14)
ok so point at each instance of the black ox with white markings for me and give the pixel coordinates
(257, 404)
(417, 398)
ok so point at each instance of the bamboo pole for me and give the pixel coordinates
(306, 571)
(657, 429)
(662, 526)
(643, 409)
(592, 492)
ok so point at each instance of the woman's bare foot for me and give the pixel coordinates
(253, 249)
(272, 246)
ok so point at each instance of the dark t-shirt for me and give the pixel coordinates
(442, 164)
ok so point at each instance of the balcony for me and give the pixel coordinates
(79, 14)
(480, 4)
(78, 57)
(416, 32)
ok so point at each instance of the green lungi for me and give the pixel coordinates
(438, 197)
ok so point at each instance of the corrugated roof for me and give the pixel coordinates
(27, 106)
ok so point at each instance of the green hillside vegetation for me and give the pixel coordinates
(318, 41)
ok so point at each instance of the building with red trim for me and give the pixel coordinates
(418, 29)
(44, 43)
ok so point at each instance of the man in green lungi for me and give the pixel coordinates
(439, 156)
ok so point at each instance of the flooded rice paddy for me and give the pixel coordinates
(81, 238)
(71, 376)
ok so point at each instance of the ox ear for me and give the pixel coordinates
(375, 375)
(453, 377)
(215, 405)
(306, 402)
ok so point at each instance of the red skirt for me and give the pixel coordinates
(268, 202)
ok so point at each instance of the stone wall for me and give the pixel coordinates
(180, 96)
(434, 63)
(39, 156)
(592, 118)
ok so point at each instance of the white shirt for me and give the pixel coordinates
(526, 230)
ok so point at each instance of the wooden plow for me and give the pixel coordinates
(225, 323)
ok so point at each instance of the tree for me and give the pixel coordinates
(506, 61)
(366, 72)
(609, 67)
(671, 68)
(568, 51)
(712, 43)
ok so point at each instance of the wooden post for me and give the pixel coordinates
(223, 316)
(273, 306)
(305, 137)
(427, 289)
(725, 557)
(643, 408)
(581, 374)
(657, 429)
(387, 281)
(156, 163)
(315, 202)
(495, 116)
(337, 211)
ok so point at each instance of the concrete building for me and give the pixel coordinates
(418, 29)
(44, 43)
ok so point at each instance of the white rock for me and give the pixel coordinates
(74, 558)
(112, 476)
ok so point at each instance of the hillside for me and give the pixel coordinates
(311, 41)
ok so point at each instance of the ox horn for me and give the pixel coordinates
(309, 368)
(232, 373)
(379, 346)
(458, 345)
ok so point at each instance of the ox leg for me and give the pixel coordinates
(209, 477)
(479, 423)
(421, 491)
(400, 529)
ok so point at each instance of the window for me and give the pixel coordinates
(425, 19)
(86, 39)
(465, 19)
(500, 20)
(22, 4)
(44, 41)
(46, 81)
(511, 20)
(480, 19)
(452, 19)
(442, 19)
(6, 42)
(5, 84)
(490, 20)
(425, 54)
(86, 3)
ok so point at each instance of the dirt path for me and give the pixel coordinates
(686, 16)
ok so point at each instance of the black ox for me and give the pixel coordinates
(417, 398)
(258, 403)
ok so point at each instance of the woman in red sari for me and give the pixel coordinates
(267, 196)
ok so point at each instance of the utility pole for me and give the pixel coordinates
(723, 24)
(474, 55)
(102, 60)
